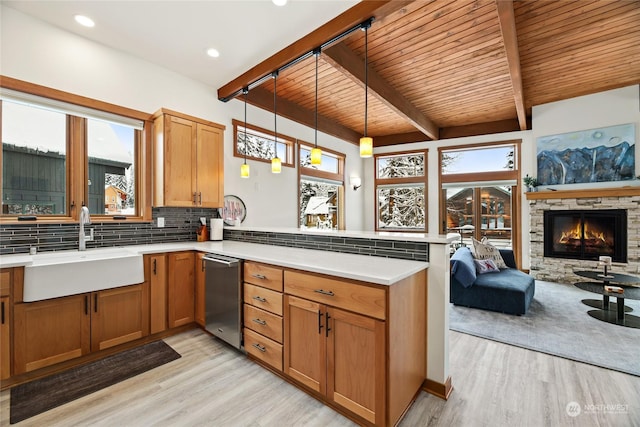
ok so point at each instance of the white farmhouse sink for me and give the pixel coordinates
(74, 272)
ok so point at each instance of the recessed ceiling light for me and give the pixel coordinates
(85, 21)
(279, 2)
(213, 53)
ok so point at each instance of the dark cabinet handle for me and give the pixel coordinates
(154, 266)
(323, 292)
(95, 302)
(194, 197)
(202, 265)
(260, 322)
(86, 304)
(259, 298)
(327, 329)
(2, 310)
(200, 197)
(319, 322)
(260, 347)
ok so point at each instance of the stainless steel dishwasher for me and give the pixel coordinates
(223, 298)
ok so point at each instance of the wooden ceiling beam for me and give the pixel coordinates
(263, 98)
(348, 63)
(349, 19)
(509, 125)
(506, 18)
(400, 138)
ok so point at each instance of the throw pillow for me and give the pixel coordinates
(485, 266)
(488, 251)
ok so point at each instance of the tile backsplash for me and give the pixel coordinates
(410, 250)
(180, 225)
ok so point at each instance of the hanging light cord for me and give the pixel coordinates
(275, 114)
(366, 77)
(246, 92)
(317, 53)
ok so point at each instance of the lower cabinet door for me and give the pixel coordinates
(356, 360)
(51, 331)
(119, 315)
(305, 342)
(181, 289)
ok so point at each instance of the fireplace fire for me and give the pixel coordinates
(586, 234)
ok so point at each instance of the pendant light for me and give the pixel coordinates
(366, 142)
(244, 169)
(316, 153)
(276, 164)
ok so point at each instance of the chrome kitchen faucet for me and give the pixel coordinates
(84, 219)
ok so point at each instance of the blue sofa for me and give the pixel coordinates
(508, 291)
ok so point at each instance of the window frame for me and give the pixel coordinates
(386, 182)
(289, 161)
(77, 160)
(307, 172)
(476, 180)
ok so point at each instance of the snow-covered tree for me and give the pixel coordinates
(401, 206)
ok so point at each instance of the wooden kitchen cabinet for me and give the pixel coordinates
(155, 273)
(199, 291)
(188, 160)
(359, 346)
(53, 331)
(119, 315)
(262, 312)
(181, 289)
(8, 276)
(338, 354)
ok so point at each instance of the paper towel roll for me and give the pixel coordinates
(216, 229)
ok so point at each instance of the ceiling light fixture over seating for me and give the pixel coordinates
(316, 153)
(276, 163)
(366, 142)
(244, 169)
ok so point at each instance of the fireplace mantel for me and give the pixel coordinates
(584, 193)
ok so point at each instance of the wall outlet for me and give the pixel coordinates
(160, 222)
(89, 237)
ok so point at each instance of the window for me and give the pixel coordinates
(259, 144)
(34, 160)
(401, 185)
(480, 193)
(321, 189)
(57, 156)
(111, 149)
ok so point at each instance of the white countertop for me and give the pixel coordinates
(379, 270)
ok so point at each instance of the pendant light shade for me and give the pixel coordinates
(366, 142)
(316, 153)
(366, 146)
(244, 169)
(276, 163)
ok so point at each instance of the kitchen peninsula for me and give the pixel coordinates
(399, 257)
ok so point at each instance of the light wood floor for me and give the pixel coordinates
(494, 385)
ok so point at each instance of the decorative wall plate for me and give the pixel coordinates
(234, 210)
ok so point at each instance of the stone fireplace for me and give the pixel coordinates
(569, 230)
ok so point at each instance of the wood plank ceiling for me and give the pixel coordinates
(440, 69)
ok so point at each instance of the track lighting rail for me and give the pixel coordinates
(258, 82)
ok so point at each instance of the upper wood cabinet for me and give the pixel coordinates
(188, 161)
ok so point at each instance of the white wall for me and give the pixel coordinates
(39, 53)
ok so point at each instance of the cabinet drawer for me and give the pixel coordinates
(263, 275)
(362, 299)
(263, 348)
(263, 298)
(263, 322)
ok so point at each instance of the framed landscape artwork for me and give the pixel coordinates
(594, 155)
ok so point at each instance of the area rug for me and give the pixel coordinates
(557, 323)
(47, 393)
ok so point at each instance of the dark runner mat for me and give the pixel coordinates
(47, 393)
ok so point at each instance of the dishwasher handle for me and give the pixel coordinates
(220, 261)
